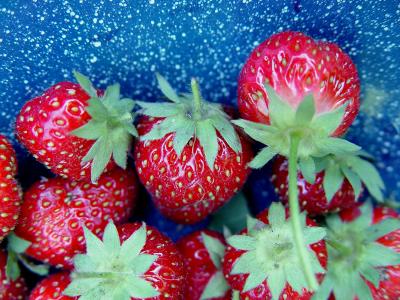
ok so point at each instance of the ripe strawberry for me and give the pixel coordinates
(10, 289)
(52, 288)
(262, 262)
(202, 254)
(55, 210)
(295, 65)
(336, 186)
(75, 130)
(134, 261)
(363, 254)
(10, 197)
(189, 157)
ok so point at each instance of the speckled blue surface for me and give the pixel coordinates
(126, 41)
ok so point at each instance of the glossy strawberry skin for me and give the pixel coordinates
(296, 65)
(10, 194)
(55, 209)
(390, 278)
(311, 195)
(262, 292)
(44, 125)
(198, 264)
(52, 287)
(10, 290)
(185, 189)
(167, 273)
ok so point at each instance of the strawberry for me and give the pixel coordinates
(52, 288)
(189, 157)
(10, 289)
(298, 95)
(55, 210)
(10, 197)
(202, 253)
(336, 187)
(295, 66)
(134, 261)
(262, 261)
(75, 130)
(363, 254)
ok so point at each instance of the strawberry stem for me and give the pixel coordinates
(196, 98)
(295, 214)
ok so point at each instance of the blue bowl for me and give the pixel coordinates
(41, 42)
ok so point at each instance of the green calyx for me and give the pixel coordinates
(111, 270)
(111, 127)
(353, 166)
(313, 130)
(271, 253)
(188, 116)
(217, 285)
(354, 255)
(16, 247)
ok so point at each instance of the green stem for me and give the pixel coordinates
(340, 247)
(295, 215)
(235, 295)
(196, 98)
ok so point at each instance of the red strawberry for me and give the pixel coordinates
(10, 198)
(189, 157)
(202, 254)
(10, 289)
(345, 173)
(134, 261)
(363, 254)
(55, 210)
(75, 131)
(262, 261)
(52, 288)
(295, 65)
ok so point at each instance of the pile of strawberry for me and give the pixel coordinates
(297, 98)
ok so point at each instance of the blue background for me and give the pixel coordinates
(127, 41)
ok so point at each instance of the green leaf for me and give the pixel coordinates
(85, 83)
(159, 110)
(183, 136)
(305, 111)
(324, 290)
(253, 224)
(276, 283)
(166, 126)
(353, 179)
(119, 153)
(101, 158)
(142, 263)
(242, 242)
(253, 280)
(214, 248)
(313, 235)
(216, 287)
(258, 132)
(232, 215)
(80, 286)
(84, 263)
(262, 158)
(295, 278)
(94, 246)
(140, 288)
(362, 289)
(243, 263)
(207, 137)
(307, 168)
(97, 110)
(92, 130)
(134, 244)
(338, 146)
(371, 274)
(369, 176)
(329, 121)
(111, 240)
(39, 269)
(112, 92)
(386, 226)
(17, 244)
(333, 180)
(276, 215)
(167, 90)
(380, 256)
(228, 133)
(280, 112)
(12, 268)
